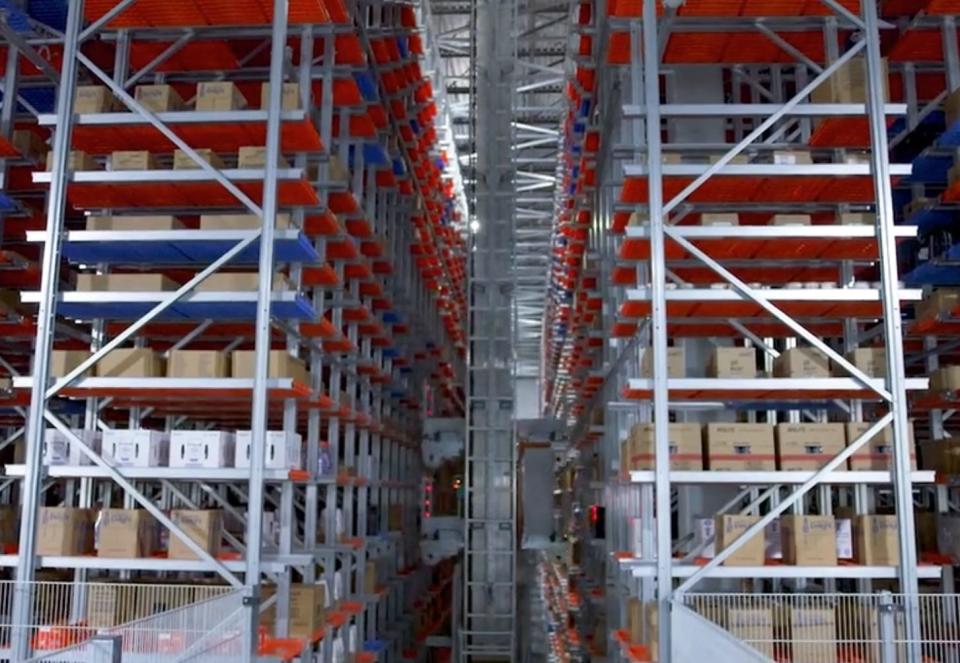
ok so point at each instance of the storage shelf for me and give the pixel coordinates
(762, 389)
(270, 563)
(838, 478)
(193, 13)
(780, 571)
(177, 389)
(214, 474)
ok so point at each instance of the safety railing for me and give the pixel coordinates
(836, 628)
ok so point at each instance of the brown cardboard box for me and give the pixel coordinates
(29, 144)
(130, 363)
(857, 219)
(239, 282)
(729, 528)
(64, 361)
(872, 361)
(740, 447)
(395, 517)
(877, 454)
(370, 577)
(720, 219)
(239, 222)
(78, 161)
(125, 283)
(338, 170)
(809, 632)
(9, 525)
(204, 527)
(808, 540)
(635, 620)
(132, 160)
(144, 222)
(159, 98)
(737, 363)
(219, 96)
(183, 162)
(676, 363)
(808, 446)
(790, 220)
(282, 365)
(92, 99)
(290, 96)
(754, 626)
(848, 85)
(939, 302)
(686, 449)
(64, 531)
(875, 540)
(252, 156)
(198, 364)
(306, 610)
(738, 160)
(801, 363)
(946, 378)
(125, 533)
(110, 605)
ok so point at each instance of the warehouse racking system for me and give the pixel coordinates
(309, 232)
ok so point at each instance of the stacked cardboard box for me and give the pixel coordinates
(307, 610)
(686, 452)
(939, 303)
(752, 625)
(809, 540)
(740, 447)
(872, 361)
(735, 363)
(131, 363)
(848, 85)
(198, 364)
(282, 365)
(728, 529)
(219, 96)
(875, 540)
(204, 527)
(676, 363)
(125, 533)
(809, 632)
(808, 446)
(159, 98)
(877, 453)
(65, 531)
(801, 363)
(138, 222)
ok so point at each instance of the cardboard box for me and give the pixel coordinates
(686, 448)
(58, 449)
(202, 448)
(159, 98)
(809, 540)
(875, 540)
(736, 363)
(77, 161)
(947, 534)
(284, 450)
(808, 632)
(792, 157)
(946, 378)
(395, 517)
(136, 448)
(937, 304)
(857, 219)
(808, 446)
(740, 447)
(254, 156)
(181, 161)
(753, 626)
(801, 363)
(289, 96)
(64, 361)
(790, 220)
(219, 96)
(92, 99)
(239, 282)
(125, 283)
(371, 577)
(844, 534)
(131, 363)
(239, 222)
(676, 363)
(848, 85)
(64, 531)
(204, 527)
(773, 540)
(876, 454)
(198, 364)
(704, 530)
(719, 219)
(338, 170)
(110, 605)
(29, 144)
(281, 365)
(125, 533)
(132, 160)
(872, 361)
(634, 623)
(133, 223)
(307, 612)
(728, 529)
(9, 525)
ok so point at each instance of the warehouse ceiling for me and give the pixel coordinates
(538, 108)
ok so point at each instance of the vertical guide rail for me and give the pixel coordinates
(259, 415)
(893, 331)
(658, 280)
(46, 319)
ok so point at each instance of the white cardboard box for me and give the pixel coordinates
(201, 448)
(58, 450)
(283, 450)
(703, 529)
(844, 538)
(136, 448)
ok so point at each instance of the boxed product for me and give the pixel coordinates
(239, 282)
(281, 365)
(92, 99)
(635, 536)
(64, 361)
(132, 160)
(201, 448)
(58, 449)
(635, 620)
(283, 451)
(704, 530)
(204, 527)
(938, 303)
(239, 221)
(948, 534)
(76, 161)
(740, 447)
(737, 363)
(65, 531)
(877, 453)
(198, 364)
(29, 144)
(338, 170)
(728, 529)
(809, 632)
(676, 363)
(946, 378)
(158, 98)
(719, 219)
(792, 157)
(752, 625)
(808, 446)
(872, 361)
(125, 533)
(131, 363)
(140, 222)
(306, 610)
(219, 96)
(848, 85)
(183, 161)
(290, 96)
(801, 363)
(125, 283)
(809, 540)
(791, 220)
(255, 156)
(686, 450)
(875, 540)
(110, 604)
(857, 219)
(136, 448)
(844, 532)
